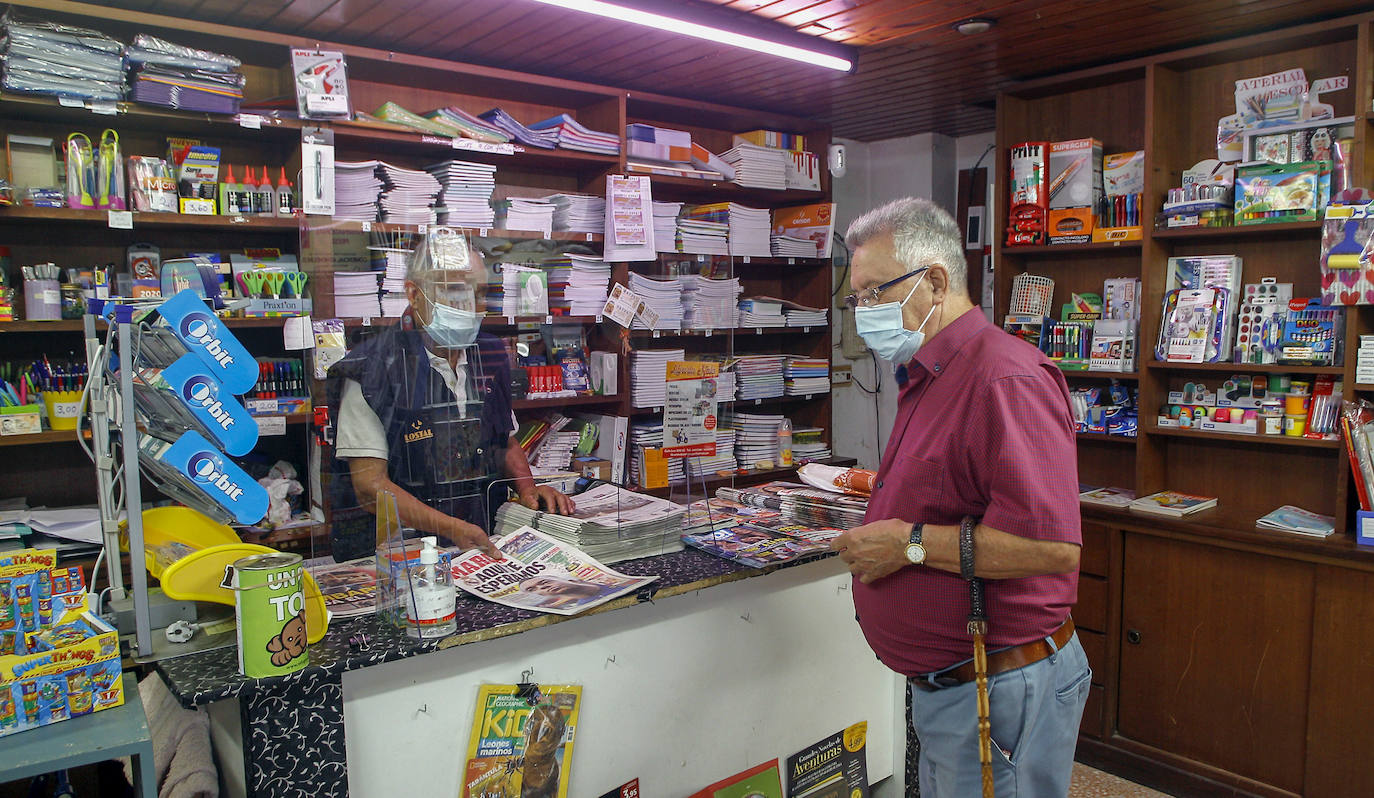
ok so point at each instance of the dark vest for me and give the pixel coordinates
(441, 456)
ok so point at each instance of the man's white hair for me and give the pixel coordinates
(922, 233)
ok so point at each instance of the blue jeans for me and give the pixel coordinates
(1035, 716)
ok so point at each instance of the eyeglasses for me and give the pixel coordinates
(868, 297)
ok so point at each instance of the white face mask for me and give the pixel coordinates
(882, 330)
(450, 327)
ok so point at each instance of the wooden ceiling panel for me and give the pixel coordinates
(914, 73)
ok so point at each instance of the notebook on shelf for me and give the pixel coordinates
(1173, 503)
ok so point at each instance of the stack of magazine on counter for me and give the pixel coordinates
(1298, 521)
(610, 524)
(751, 535)
(801, 504)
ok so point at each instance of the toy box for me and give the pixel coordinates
(1075, 173)
(74, 670)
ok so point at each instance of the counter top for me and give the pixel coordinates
(209, 676)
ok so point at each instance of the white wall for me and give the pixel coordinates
(924, 165)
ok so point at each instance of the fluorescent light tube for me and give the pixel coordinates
(710, 34)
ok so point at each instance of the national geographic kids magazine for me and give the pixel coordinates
(521, 744)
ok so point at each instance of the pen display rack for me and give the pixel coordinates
(63, 408)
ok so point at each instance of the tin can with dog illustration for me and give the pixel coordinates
(269, 601)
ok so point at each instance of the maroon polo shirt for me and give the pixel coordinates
(983, 428)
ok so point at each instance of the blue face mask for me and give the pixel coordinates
(452, 328)
(881, 328)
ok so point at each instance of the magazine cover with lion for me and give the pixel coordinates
(521, 747)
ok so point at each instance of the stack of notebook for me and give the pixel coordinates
(408, 195)
(543, 139)
(789, 247)
(588, 285)
(807, 375)
(356, 188)
(760, 376)
(709, 304)
(649, 435)
(573, 136)
(802, 316)
(648, 375)
(578, 213)
(464, 124)
(665, 225)
(758, 312)
(663, 296)
(520, 213)
(758, 167)
(756, 438)
(465, 196)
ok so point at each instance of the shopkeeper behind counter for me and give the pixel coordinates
(424, 411)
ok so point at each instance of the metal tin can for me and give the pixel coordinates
(269, 601)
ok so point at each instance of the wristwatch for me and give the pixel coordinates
(915, 552)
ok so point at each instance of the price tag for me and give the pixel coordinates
(589, 236)
(319, 103)
(655, 333)
(548, 319)
(121, 220)
(367, 321)
(456, 144)
(271, 425)
(598, 318)
(758, 401)
(483, 232)
(701, 259)
(71, 102)
(791, 261)
(422, 228)
(261, 407)
(758, 331)
(806, 330)
(104, 107)
(250, 121)
(707, 333)
(367, 227)
(746, 258)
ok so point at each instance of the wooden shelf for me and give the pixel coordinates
(1242, 232)
(1245, 368)
(1230, 437)
(50, 436)
(75, 325)
(678, 186)
(566, 401)
(1363, 386)
(1102, 437)
(737, 331)
(1050, 250)
(178, 221)
(1100, 375)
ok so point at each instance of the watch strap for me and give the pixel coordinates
(917, 527)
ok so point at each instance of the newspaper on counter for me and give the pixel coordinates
(610, 523)
(539, 573)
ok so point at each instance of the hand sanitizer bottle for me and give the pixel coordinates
(432, 597)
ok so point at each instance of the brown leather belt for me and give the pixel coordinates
(1008, 659)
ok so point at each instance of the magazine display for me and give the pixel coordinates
(704, 515)
(1298, 521)
(349, 588)
(541, 574)
(1173, 503)
(755, 546)
(521, 744)
(802, 504)
(831, 768)
(610, 523)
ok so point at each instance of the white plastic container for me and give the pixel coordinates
(431, 609)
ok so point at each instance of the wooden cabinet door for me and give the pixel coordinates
(1338, 760)
(1214, 664)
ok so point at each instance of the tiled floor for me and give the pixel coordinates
(1091, 783)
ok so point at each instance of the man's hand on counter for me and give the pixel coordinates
(874, 550)
(470, 536)
(547, 499)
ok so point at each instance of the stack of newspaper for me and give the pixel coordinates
(610, 523)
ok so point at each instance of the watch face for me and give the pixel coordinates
(916, 553)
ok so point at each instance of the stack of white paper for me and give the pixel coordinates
(649, 373)
(789, 247)
(756, 438)
(465, 198)
(724, 459)
(394, 260)
(710, 304)
(356, 294)
(760, 376)
(749, 231)
(588, 285)
(700, 237)
(664, 296)
(665, 225)
(356, 188)
(408, 195)
(518, 213)
(758, 167)
(809, 317)
(761, 313)
(806, 375)
(578, 213)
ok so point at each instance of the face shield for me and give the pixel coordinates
(449, 277)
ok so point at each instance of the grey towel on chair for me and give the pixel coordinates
(182, 758)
